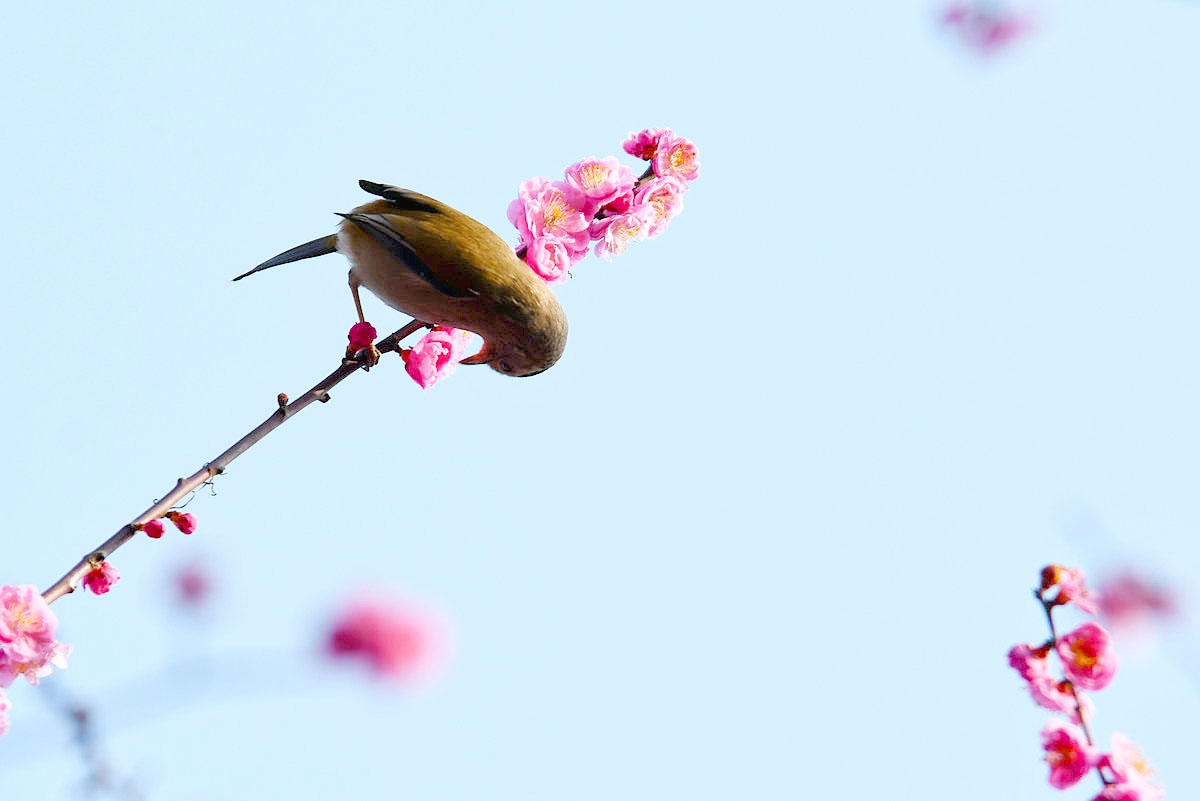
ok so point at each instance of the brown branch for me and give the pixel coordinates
(183, 486)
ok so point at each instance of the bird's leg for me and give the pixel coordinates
(371, 354)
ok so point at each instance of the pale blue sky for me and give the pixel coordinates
(769, 527)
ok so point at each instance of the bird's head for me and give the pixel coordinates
(527, 349)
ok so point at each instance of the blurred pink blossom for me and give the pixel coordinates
(101, 578)
(985, 28)
(1129, 600)
(1067, 753)
(1029, 662)
(5, 705)
(396, 640)
(1128, 791)
(1072, 587)
(1129, 767)
(193, 584)
(32, 668)
(1058, 697)
(1088, 658)
(644, 144)
(435, 355)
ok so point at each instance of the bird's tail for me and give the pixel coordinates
(317, 247)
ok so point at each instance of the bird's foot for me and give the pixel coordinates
(361, 349)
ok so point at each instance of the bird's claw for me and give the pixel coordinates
(368, 357)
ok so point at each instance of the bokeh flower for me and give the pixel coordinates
(1067, 753)
(1088, 658)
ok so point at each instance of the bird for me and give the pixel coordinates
(428, 260)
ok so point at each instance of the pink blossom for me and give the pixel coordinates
(1087, 656)
(186, 521)
(1130, 768)
(434, 357)
(27, 625)
(193, 584)
(154, 528)
(549, 207)
(665, 196)
(1071, 587)
(599, 181)
(396, 640)
(1029, 662)
(676, 156)
(615, 233)
(5, 705)
(1057, 696)
(1128, 599)
(550, 258)
(983, 28)
(101, 578)
(643, 144)
(1130, 792)
(361, 336)
(32, 668)
(1067, 753)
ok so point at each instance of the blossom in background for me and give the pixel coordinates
(436, 354)
(1067, 753)
(1130, 600)
(193, 585)
(985, 27)
(27, 625)
(1088, 658)
(396, 640)
(5, 705)
(1130, 769)
(101, 577)
(33, 668)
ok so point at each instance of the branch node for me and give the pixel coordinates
(325, 397)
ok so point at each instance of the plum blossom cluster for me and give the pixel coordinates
(985, 27)
(599, 201)
(27, 644)
(394, 639)
(1088, 662)
(184, 521)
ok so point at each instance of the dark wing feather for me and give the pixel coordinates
(378, 226)
(401, 198)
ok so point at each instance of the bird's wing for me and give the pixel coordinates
(385, 229)
(403, 199)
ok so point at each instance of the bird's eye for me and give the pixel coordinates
(505, 367)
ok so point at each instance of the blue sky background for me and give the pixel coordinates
(767, 530)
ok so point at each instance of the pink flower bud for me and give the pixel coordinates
(184, 521)
(361, 336)
(101, 578)
(154, 528)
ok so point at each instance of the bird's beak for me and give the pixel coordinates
(483, 357)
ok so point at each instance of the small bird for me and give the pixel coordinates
(442, 267)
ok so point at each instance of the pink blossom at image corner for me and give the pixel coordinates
(396, 639)
(1067, 753)
(5, 705)
(33, 669)
(101, 578)
(1088, 658)
(435, 355)
(27, 625)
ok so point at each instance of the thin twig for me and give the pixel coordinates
(183, 486)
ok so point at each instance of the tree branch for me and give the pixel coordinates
(320, 392)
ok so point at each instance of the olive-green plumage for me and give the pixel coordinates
(442, 267)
